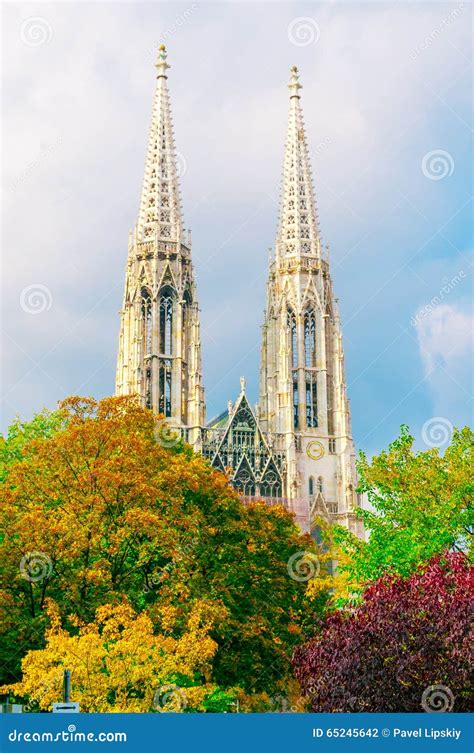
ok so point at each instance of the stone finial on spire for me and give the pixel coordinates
(294, 86)
(161, 65)
(243, 384)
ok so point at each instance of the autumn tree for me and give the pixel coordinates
(118, 663)
(111, 506)
(406, 647)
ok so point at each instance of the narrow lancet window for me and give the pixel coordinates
(309, 340)
(147, 320)
(166, 321)
(165, 384)
(291, 320)
(311, 400)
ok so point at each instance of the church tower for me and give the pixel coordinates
(159, 354)
(303, 397)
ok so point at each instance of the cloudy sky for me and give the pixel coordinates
(386, 99)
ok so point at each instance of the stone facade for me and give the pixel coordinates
(295, 447)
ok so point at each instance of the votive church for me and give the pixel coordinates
(295, 447)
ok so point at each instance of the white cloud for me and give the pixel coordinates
(446, 337)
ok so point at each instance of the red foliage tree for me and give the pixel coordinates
(407, 635)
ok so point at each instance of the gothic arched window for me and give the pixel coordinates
(165, 376)
(311, 400)
(309, 340)
(311, 486)
(186, 320)
(329, 345)
(293, 335)
(244, 481)
(291, 321)
(147, 318)
(166, 321)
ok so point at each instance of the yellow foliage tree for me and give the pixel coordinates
(118, 664)
(335, 577)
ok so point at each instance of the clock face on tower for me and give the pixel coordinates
(315, 450)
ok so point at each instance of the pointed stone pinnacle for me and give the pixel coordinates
(294, 84)
(161, 65)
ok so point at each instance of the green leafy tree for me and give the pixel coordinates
(21, 433)
(422, 505)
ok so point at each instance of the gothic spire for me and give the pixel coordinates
(298, 231)
(160, 216)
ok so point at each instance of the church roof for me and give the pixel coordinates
(219, 422)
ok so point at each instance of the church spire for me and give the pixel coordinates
(159, 354)
(298, 231)
(160, 216)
